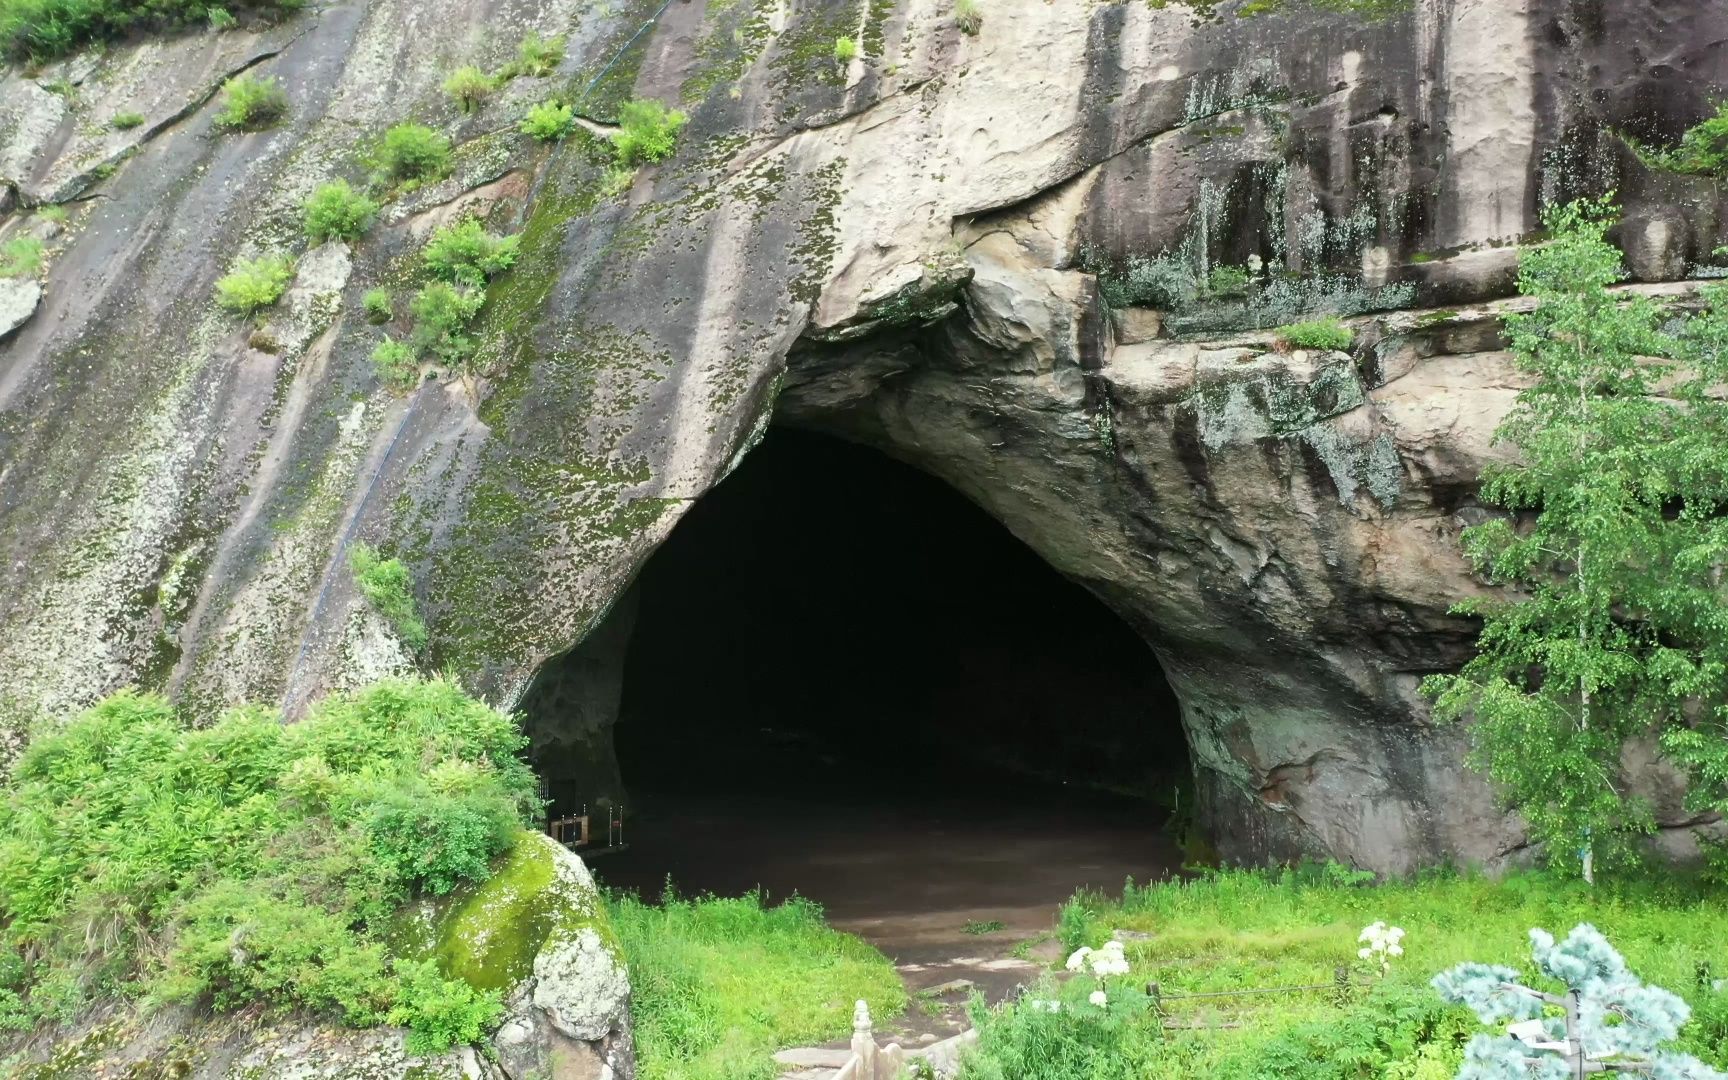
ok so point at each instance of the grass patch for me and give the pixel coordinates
(1240, 929)
(20, 256)
(979, 929)
(1326, 334)
(386, 583)
(718, 985)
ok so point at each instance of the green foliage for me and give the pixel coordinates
(968, 17)
(538, 56)
(255, 284)
(1703, 149)
(20, 256)
(388, 588)
(412, 153)
(466, 254)
(52, 213)
(845, 50)
(1253, 929)
(335, 211)
(44, 29)
(442, 316)
(548, 121)
(468, 86)
(396, 364)
(221, 19)
(647, 132)
(1228, 281)
(379, 305)
(126, 121)
(985, 926)
(718, 985)
(1614, 623)
(1325, 334)
(251, 862)
(439, 1012)
(250, 103)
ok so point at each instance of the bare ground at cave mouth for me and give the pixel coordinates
(907, 875)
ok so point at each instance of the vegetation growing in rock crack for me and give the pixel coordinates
(252, 862)
(251, 103)
(1702, 150)
(20, 257)
(45, 29)
(1324, 334)
(466, 254)
(388, 587)
(845, 50)
(335, 211)
(647, 132)
(548, 121)
(396, 364)
(1612, 627)
(255, 284)
(468, 86)
(968, 16)
(411, 154)
(126, 121)
(379, 305)
(537, 56)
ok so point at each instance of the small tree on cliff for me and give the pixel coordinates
(1613, 616)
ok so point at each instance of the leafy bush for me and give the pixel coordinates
(335, 211)
(221, 19)
(1165, 281)
(379, 305)
(548, 121)
(1325, 334)
(968, 17)
(250, 103)
(647, 132)
(251, 862)
(396, 363)
(20, 256)
(1703, 149)
(1228, 281)
(413, 152)
(388, 588)
(538, 56)
(44, 29)
(442, 315)
(439, 1012)
(126, 121)
(466, 254)
(468, 86)
(717, 985)
(845, 50)
(255, 284)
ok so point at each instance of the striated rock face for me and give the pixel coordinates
(918, 250)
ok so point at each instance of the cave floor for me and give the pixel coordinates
(908, 875)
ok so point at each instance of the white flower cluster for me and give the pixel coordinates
(1099, 998)
(1104, 962)
(1382, 944)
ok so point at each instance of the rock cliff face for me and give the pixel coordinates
(1038, 262)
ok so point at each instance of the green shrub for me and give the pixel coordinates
(413, 152)
(1326, 334)
(968, 17)
(126, 121)
(221, 19)
(1702, 151)
(44, 29)
(53, 213)
(335, 211)
(647, 132)
(442, 315)
(466, 254)
(396, 364)
(1228, 281)
(388, 588)
(845, 50)
(617, 180)
(238, 864)
(439, 1012)
(250, 103)
(538, 56)
(548, 121)
(20, 256)
(255, 284)
(468, 86)
(379, 305)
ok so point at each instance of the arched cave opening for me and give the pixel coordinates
(838, 672)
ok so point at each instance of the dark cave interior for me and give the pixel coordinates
(828, 610)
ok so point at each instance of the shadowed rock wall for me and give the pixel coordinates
(910, 249)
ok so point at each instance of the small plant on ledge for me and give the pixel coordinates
(1325, 335)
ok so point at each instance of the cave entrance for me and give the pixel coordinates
(841, 678)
